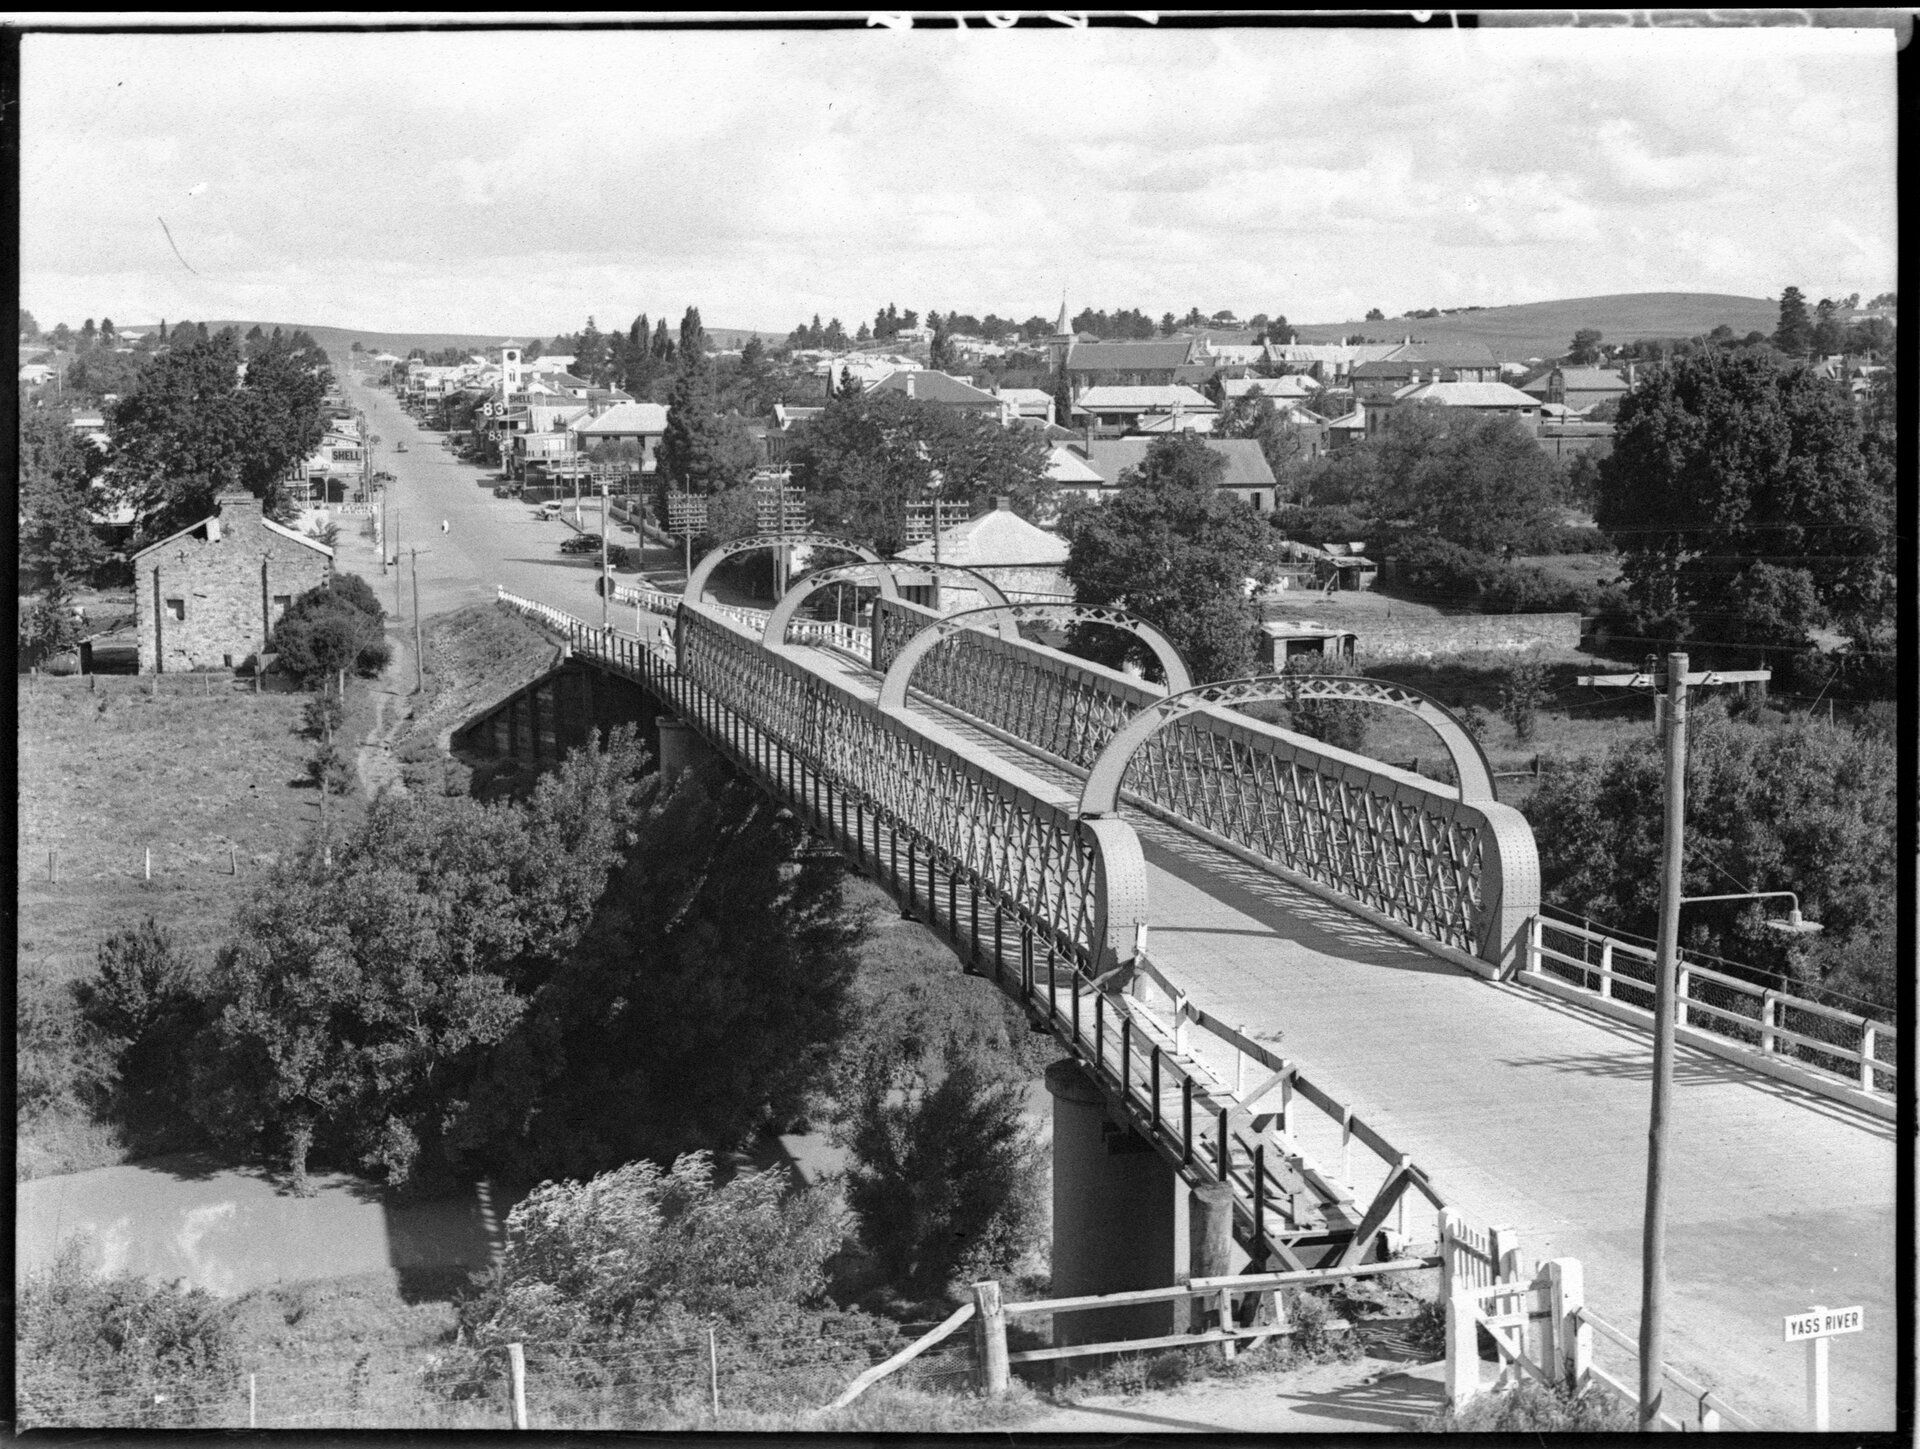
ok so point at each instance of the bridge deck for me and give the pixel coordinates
(1530, 1113)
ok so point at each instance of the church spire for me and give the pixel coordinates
(1060, 328)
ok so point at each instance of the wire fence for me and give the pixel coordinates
(641, 1383)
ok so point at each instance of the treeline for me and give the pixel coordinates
(1124, 325)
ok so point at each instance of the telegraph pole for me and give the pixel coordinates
(419, 669)
(396, 566)
(1653, 1256)
(606, 578)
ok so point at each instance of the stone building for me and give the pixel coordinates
(209, 596)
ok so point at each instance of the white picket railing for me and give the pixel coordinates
(1542, 1328)
(1750, 1018)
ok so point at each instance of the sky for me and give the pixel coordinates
(518, 182)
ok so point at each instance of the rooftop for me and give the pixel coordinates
(1128, 356)
(1144, 399)
(1246, 464)
(936, 387)
(627, 417)
(998, 537)
(1467, 395)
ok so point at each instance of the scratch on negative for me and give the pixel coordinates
(175, 245)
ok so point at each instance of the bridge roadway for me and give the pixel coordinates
(1532, 1114)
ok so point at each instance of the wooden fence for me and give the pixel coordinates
(1542, 1329)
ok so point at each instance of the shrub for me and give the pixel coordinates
(118, 1350)
(330, 628)
(1532, 1408)
(1522, 691)
(1334, 722)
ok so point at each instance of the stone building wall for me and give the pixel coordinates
(1405, 637)
(207, 602)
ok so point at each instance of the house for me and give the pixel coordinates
(1247, 475)
(1579, 388)
(1028, 402)
(1225, 354)
(34, 374)
(1126, 364)
(1117, 409)
(1292, 388)
(1345, 432)
(208, 596)
(1331, 362)
(1026, 561)
(632, 422)
(332, 468)
(1492, 398)
(943, 391)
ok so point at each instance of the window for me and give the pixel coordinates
(176, 609)
(281, 603)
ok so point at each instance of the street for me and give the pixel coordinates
(490, 542)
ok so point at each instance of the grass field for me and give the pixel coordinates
(108, 771)
(1545, 329)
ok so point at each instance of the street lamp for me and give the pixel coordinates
(1792, 926)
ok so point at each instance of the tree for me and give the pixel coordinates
(1799, 805)
(1279, 330)
(946, 1176)
(1282, 443)
(355, 1001)
(29, 329)
(1584, 350)
(693, 339)
(1175, 550)
(1794, 335)
(1374, 314)
(705, 1003)
(333, 627)
(702, 450)
(590, 353)
(1478, 481)
(57, 472)
(869, 454)
(1742, 500)
(1828, 335)
(192, 428)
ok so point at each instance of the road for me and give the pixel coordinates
(489, 543)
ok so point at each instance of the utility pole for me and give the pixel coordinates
(419, 669)
(606, 577)
(1653, 1253)
(396, 566)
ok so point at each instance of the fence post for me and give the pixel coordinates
(253, 1403)
(149, 866)
(1463, 1351)
(1769, 1004)
(1867, 1039)
(990, 1332)
(517, 1375)
(713, 1369)
(1681, 989)
(1503, 1246)
(1535, 931)
(1606, 968)
(1448, 1276)
(1572, 1355)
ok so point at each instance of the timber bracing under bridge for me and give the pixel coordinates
(1150, 870)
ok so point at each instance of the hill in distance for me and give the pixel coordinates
(1545, 329)
(338, 341)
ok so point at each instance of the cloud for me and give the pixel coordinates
(518, 180)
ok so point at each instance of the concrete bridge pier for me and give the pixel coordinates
(680, 747)
(1120, 1216)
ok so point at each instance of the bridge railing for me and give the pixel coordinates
(1024, 849)
(854, 639)
(1830, 1046)
(1407, 851)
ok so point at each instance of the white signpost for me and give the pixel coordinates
(1818, 1324)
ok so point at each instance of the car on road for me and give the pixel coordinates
(383, 477)
(399, 447)
(581, 543)
(547, 512)
(506, 490)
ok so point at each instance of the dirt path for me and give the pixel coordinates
(378, 768)
(1369, 1395)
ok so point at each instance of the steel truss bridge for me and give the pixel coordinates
(1000, 789)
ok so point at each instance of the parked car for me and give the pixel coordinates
(547, 512)
(399, 447)
(581, 543)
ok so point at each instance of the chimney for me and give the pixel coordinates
(1002, 503)
(1629, 374)
(909, 384)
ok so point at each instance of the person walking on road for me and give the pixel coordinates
(443, 525)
